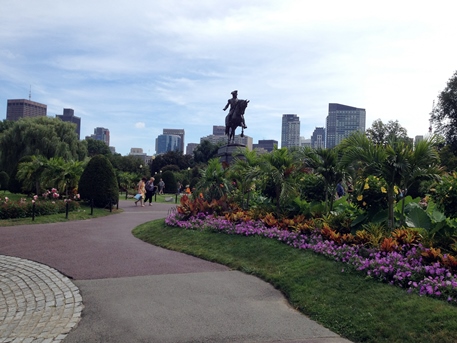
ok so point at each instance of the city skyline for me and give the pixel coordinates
(139, 67)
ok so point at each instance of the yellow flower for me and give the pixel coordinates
(364, 203)
(366, 186)
(383, 190)
(395, 189)
(360, 197)
(450, 188)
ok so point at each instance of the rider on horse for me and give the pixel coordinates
(232, 103)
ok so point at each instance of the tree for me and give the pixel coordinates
(63, 175)
(213, 183)
(205, 151)
(4, 180)
(98, 182)
(96, 147)
(48, 137)
(397, 163)
(381, 134)
(325, 162)
(444, 115)
(170, 158)
(30, 172)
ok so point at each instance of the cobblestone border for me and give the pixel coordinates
(37, 303)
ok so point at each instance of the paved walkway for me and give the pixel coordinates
(129, 291)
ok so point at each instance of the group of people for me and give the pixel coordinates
(146, 190)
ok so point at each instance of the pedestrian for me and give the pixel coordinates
(140, 192)
(150, 190)
(161, 186)
(340, 189)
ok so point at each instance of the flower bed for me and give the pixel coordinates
(25, 207)
(408, 266)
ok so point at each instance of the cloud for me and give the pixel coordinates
(140, 125)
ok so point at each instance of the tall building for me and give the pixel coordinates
(318, 138)
(22, 108)
(100, 134)
(218, 130)
(343, 120)
(165, 143)
(266, 144)
(305, 142)
(190, 148)
(176, 132)
(69, 116)
(290, 132)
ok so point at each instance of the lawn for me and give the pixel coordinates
(348, 303)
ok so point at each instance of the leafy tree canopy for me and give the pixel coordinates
(48, 137)
(96, 147)
(176, 158)
(444, 115)
(381, 134)
(205, 151)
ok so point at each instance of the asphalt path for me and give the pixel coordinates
(136, 292)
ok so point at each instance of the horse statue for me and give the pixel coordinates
(232, 121)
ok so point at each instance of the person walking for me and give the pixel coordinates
(150, 188)
(141, 191)
(161, 186)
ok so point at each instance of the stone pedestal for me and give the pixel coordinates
(226, 152)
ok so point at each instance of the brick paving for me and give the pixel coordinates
(37, 303)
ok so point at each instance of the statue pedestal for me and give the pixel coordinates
(226, 152)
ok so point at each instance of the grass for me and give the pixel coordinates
(348, 303)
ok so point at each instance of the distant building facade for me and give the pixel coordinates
(176, 132)
(218, 130)
(305, 142)
(165, 143)
(318, 138)
(190, 148)
(290, 131)
(22, 108)
(138, 152)
(69, 116)
(266, 144)
(343, 120)
(100, 134)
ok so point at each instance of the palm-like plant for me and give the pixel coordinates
(276, 176)
(325, 162)
(213, 183)
(31, 172)
(61, 174)
(396, 162)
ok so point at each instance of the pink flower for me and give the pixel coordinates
(6, 199)
(35, 197)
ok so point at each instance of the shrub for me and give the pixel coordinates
(98, 182)
(23, 208)
(170, 182)
(445, 195)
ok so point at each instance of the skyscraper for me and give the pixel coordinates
(290, 133)
(343, 120)
(165, 143)
(22, 108)
(69, 116)
(176, 132)
(318, 138)
(100, 134)
(266, 144)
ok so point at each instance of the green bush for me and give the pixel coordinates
(170, 182)
(24, 208)
(445, 195)
(98, 182)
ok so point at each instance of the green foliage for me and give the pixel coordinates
(4, 180)
(205, 151)
(49, 137)
(444, 115)
(130, 164)
(383, 134)
(170, 158)
(312, 187)
(213, 183)
(96, 147)
(170, 182)
(24, 208)
(445, 195)
(98, 182)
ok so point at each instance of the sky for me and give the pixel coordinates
(139, 66)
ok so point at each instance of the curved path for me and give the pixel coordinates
(132, 291)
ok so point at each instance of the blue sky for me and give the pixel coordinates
(136, 67)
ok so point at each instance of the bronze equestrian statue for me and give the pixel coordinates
(235, 117)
